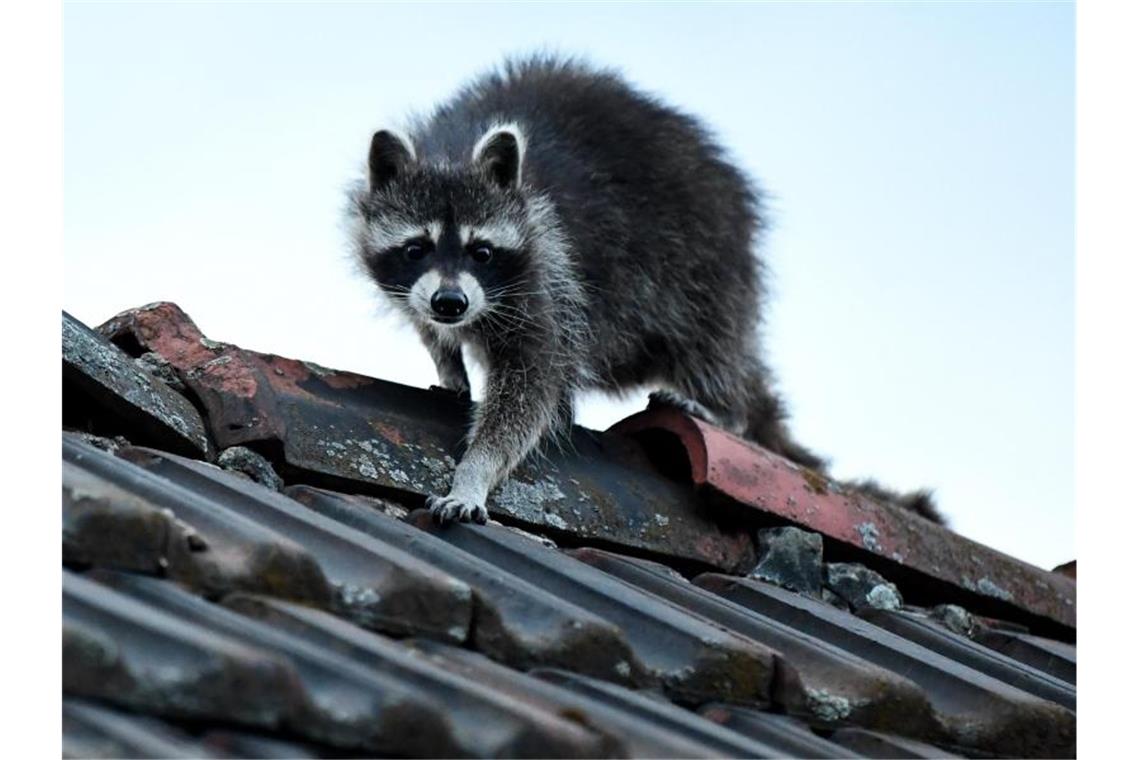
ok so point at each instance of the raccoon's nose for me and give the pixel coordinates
(449, 303)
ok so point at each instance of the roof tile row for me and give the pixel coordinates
(976, 710)
(356, 433)
(820, 682)
(515, 621)
(757, 484)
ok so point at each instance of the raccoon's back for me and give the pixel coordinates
(655, 214)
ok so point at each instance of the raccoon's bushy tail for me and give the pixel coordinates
(921, 501)
(767, 426)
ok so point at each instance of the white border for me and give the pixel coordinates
(31, 154)
(1108, 384)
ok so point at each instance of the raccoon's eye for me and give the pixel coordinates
(414, 251)
(482, 253)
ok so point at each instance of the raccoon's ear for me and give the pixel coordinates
(499, 154)
(389, 155)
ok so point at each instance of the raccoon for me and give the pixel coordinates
(573, 233)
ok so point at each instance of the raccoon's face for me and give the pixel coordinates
(446, 243)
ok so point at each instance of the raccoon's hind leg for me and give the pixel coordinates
(666, 397)
(563, 424)
(736, 396)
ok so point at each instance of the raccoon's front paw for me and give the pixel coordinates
(445, 509)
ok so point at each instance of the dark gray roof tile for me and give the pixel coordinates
(661, 712)
(488, 725)
(104, 388)
(885, 746)
(643, 736)
(328, 697)
(375, 584)
(106, 526)
(792, 738)
(820, 681)
(93, 730)
(515, 621)
(693, 659)
(978, 711)
(123, 651)
(228, 742)
(1053, 657)
(231, 551)
(936, 637)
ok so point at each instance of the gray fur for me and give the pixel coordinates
(633, 259)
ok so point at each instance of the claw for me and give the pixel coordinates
(445, 509)
(476, 513)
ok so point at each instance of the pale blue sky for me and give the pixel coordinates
(920, 160)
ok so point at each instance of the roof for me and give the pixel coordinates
(248, 573)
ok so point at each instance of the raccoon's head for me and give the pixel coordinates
(446, 242)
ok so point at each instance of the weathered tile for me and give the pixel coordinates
(977, 711)
(768, 486)
(375, 584)
(103, 385)
(1053, 657)
(935, 637)
(821, 682)
(106, 526)
(329, 697)
(886, 746)
(655, 710)
(789, 736)
(357, 433)
(642, 737)
(130, 654)
(92, 730)
(693, 659)
(207, 547)
(227, 742)
(515, 621)
(486, 723)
